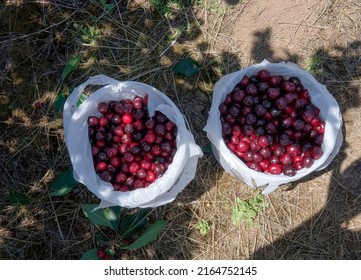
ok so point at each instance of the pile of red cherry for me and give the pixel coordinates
(270, 123)
(131, 150)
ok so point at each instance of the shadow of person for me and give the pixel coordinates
(232, 2)
(262, 48)
(262, 45)
(337, 62)
(331, 233)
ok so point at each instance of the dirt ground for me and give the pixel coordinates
(318, 217)
(315, 218)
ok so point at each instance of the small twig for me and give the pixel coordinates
(215, 36)
(172, 43)
(298, 27)
(215, 242)
(327, 5)
(146, 73)
(306, 25)
(24, 147)
(40, 31)
(236, 16)
(56, 218)
(168, 47)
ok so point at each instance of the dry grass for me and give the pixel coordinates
(317, 218)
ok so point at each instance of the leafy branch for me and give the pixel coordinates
(125, 226)
(115, 218)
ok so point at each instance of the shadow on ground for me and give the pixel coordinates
(331, 233)
(232, 2)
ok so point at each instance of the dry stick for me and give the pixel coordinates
(72, 223)
(178, 100)
(126, 36)
(239, 253)
(345, 81)
(168, 48)
(173, 42)
(205, 15)
(321, 14)
(24, 147)
(214, 244)
(56, 218)
(236, 16)
(278, 222)
(72, 245)
(271, 237)
(40, 31)
(213, 238)
(298, 27)
(146, 73)
(21, 240)
(343, 186)
(196, 20)
(135, 33)
(215, 36)
(306, 25)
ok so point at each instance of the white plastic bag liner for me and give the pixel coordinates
(329, 111)
(163, 190)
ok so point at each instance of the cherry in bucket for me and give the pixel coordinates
(131, 150)
(269, 122)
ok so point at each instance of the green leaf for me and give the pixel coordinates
(245, 211)
(314, 64)
(149, 235)
(108, 217)
(186, 67)
(70, 66)
(101, 239)
(92, 254)
(133, 223)
(222, 69)
(207, 149)
(59, 102)
(203, 227)
(81, 99)
(160, 5)
(112, 214)
(90, 34)
(63, 184)
(251, 213)
(110, 252)
(258, 203)
(18, 198)
(107, 7)
(178, 31)
(250, 222)
(241, 204)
